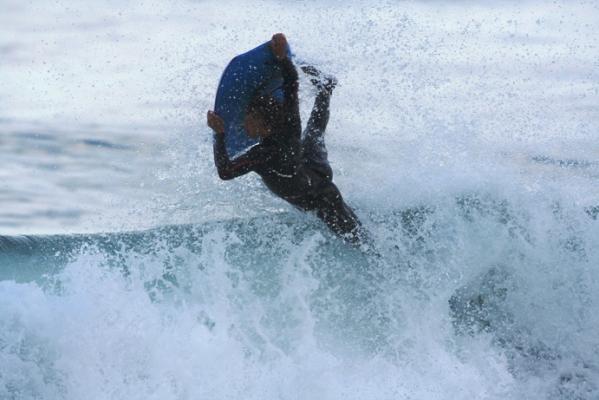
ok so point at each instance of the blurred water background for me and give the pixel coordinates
(464, 133)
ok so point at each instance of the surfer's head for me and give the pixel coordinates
(261, 116)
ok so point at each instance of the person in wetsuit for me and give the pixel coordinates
(296, 170)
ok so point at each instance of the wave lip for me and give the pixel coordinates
(479, 282)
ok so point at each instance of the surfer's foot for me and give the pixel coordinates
(327, 83)
(321, 81)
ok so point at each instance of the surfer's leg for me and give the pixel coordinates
(319, 117)
(315, 151)
(338, 216)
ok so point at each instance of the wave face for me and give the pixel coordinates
(472, 297)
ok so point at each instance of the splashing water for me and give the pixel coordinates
(464, 135)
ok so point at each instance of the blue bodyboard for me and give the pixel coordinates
(249, 74)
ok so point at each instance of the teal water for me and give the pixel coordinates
(469, 296)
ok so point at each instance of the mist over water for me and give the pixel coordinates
(465, 136)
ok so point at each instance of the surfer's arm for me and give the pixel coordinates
(230, 169)
(227, 168)
(290, 93)
(280, 48)
(290, 81)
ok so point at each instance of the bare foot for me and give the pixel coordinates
(320, 80)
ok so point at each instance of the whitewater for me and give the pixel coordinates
(464, 134)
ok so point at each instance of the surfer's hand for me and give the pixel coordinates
(216, 123)
(278, 44)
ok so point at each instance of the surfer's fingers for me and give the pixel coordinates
(215, 122)
(210, 118)
(279, 37)
(279, 45)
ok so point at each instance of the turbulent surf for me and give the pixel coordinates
(464, 135)
(471, 290)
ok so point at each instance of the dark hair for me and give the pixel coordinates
(266, 108)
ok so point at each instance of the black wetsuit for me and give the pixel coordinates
(295, 170)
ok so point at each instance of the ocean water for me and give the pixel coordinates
(465, 135)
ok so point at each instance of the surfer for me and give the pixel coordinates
(296, 170)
